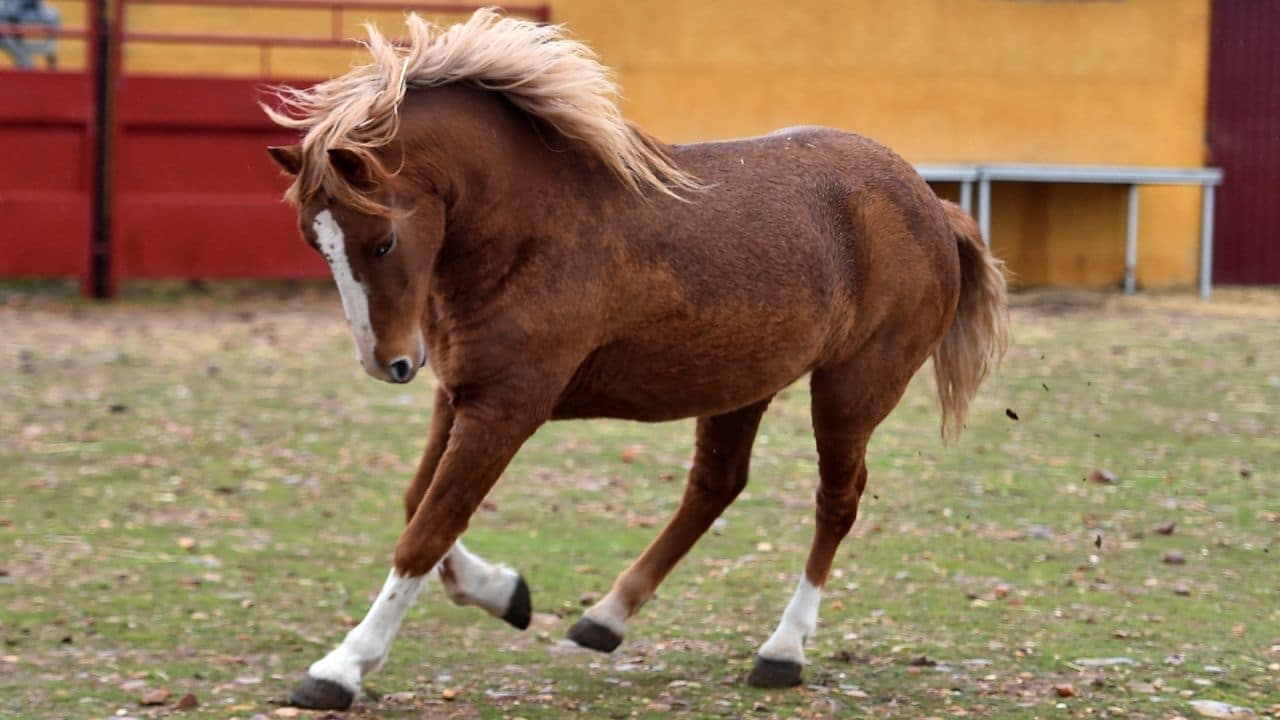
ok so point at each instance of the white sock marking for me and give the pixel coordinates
(799, 621)
(473, 581)
(610, 612)
(368, 644)
(355, 301)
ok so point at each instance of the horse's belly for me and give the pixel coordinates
(666, 383)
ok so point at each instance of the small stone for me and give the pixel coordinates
(287, 712)
(1166, 528)
(449, 694)
(1182, 590)
(1065, 690)
(1105, 662)
(588, 599)
(187, 543)
(187, 702)
(1216, 709)
(1173, 557)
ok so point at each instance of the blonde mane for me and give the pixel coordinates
(536, 67)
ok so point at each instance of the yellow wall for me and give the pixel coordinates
(1056, 81)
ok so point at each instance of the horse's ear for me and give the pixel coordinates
(352, 167)
(288, 157)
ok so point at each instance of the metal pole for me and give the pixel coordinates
(1131, 243)
(100, 280)
(984, 210)
(966, 196)
(1206, 243)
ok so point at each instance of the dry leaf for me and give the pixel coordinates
(154, 697)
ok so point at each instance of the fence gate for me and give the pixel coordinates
(50, 129)
(108, 175)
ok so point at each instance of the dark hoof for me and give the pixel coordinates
(591, 634)
(317, 694)
(774, 673)
(519, 609)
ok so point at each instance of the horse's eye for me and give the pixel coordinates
(386, 246)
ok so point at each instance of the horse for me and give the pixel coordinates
(487, 211)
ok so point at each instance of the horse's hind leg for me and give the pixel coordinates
(719, 473)
(847, 405)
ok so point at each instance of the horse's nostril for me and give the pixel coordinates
(400, 369)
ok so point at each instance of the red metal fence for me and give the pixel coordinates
(108, 175)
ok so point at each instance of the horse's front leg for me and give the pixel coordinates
(481, 442)
(468, 579)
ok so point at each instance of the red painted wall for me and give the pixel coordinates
(45, 173)
(1244, 139)
(196, 193)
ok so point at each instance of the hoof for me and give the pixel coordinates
(317, 694)
(774, 673)
(591, 634)
(519, 609)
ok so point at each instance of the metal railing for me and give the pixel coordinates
(339, 12)
(1132, 176)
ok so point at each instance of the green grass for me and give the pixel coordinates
(201, 492)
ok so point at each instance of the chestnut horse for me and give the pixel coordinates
(485, 208)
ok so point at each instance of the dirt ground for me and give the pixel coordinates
(199, 494)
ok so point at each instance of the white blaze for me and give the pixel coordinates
(355, 301)
(799, 621)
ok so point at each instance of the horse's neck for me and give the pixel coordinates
(507, 182)
(496, 166)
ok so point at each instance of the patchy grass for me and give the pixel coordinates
(200, 494)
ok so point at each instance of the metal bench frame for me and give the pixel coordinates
(984, 175)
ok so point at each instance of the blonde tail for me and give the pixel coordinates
(979, 335)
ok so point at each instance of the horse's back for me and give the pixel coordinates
(869, 235)
(805, 243)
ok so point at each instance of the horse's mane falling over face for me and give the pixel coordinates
(536, 67)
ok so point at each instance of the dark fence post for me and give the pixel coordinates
(103, 58)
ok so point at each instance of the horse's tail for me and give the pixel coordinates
(978, 337)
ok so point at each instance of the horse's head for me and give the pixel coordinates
(381, 247)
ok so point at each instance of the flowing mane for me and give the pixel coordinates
(536, 67)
